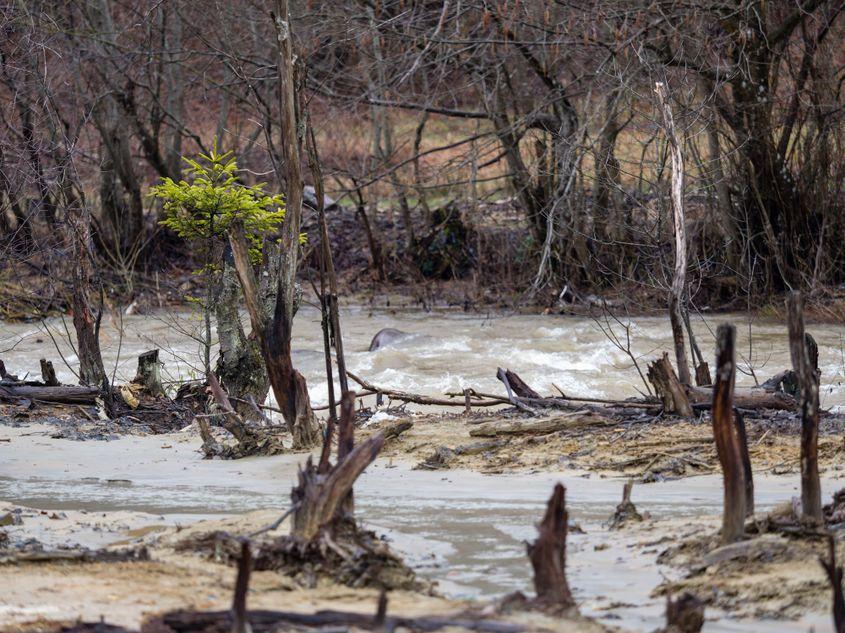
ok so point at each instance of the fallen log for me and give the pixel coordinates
(82, 555)
(543, 426)
(62, 394)
(519, 386)
(749, 398)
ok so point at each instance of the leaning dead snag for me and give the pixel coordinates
(802, 363)
(726, 436)
(321, 495)
(668, 388)
(834, 575)
(548, 555)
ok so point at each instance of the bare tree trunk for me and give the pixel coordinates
(677, 295)
(175, 98)
(85, 321)
(274, 334)
(726, 437)
(240, 366)
(811, 498)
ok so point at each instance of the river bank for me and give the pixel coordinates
(459, 529)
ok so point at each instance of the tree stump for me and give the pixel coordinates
(323, 493)
(149, 373)
(684, 614)
(668, 388)
(48, 373)
(548, 555)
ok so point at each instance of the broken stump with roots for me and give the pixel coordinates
(325, 541)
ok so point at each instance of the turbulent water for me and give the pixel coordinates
(446, 351)
(463, 529)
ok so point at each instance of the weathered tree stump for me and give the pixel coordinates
(668, 388)
(548, 555)
(702, 375)
(48, 373)
(804, 362)
(323, 492)
(685, 614)
(149, 373)
(727, 437)
(626, 511)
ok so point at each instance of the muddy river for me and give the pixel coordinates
(463, 529)
(446, 351)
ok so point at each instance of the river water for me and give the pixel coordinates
(447, 351)
(463, 529)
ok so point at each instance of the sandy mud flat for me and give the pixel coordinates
(459, 529)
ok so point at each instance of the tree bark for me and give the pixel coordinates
(811, 497)
(726, 437)
(240, 365)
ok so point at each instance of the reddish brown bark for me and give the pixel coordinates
(726, 436)
(548, 554)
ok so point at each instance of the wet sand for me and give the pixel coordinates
(459, 528)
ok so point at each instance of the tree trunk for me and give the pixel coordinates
(87, 324)
(240, 366)
(726, 437)
(811, 497)
(678, 291)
